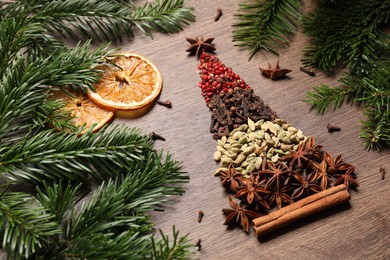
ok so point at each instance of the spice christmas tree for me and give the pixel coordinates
(266, 164)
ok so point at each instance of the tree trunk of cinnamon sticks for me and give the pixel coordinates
(301, 209)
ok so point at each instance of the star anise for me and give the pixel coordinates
(251, 190)
(230, 178)
(280, 196)
(239, 214)
(306, 185)
(298, 156)
(313, 150)
(198, 44)
(274, 72)
(348, 178)
(277, 171)
(337, 165)
(321, 172)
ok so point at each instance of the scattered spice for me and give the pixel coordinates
(199, 244)
(166, 103)
(348, 178)
(310, 205)
(297, 175)
(239, 214)
(155, 136)
(382, 170)
(216, 77)
(267, 165)
(306, 184)
(230, 178)
(200, 216)
(308, 71)
(321, 172)
(274, 72)
(233, 108)
(333, 128)
(252, 191)
(198, 45)
(250, 145)
(219, 14)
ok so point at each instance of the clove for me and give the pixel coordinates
(166, 103)
(233, 108)
(382, 170)
(308, 71)
(155, 136)
(219, 14)
(200, 216)
(199, 244)
(333, 128)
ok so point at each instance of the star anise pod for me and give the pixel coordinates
(299, 156)
(321, 172)
(198, 44)
(230, 178)
(306, 185)
(251, 190)
(337, 165)
(277, 171)
(274, 72)
(239, 214)
(313, 150)
(348, 178)
(279, 196)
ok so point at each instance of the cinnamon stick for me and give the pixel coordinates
(301, 209)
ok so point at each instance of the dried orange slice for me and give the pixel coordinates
(133, 84)
(83, 110)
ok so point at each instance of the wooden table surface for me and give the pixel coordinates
(360, 230)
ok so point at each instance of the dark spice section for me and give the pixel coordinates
(232, 108)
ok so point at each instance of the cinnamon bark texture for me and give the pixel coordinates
(301, 209)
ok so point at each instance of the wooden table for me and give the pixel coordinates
(360, 230)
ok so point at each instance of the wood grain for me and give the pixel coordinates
(360, 230)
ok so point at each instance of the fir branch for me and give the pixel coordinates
(52, 156)
(23, 92)
(139, 192)
(369, 85)
(324, 97)
(15, 33)
(119, 207)
(126, 245)
(348, 32)
(77, 67)
(58, 198)
(164, 249)
(162, 16)
(104, 20)
(376, 129)
(20, 98)
(118, 156)
(25, 224)
(91, 19)
(265, 24)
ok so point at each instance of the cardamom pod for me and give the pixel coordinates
(217, 156)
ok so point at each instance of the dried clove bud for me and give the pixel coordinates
(166, 103)
(332, 128)
(199, 244)
(232, 108)
(219, 14)
(308, 71)
(382, 170)
(155, 136)
(200, 216)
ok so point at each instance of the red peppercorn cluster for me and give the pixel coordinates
(216, 77)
